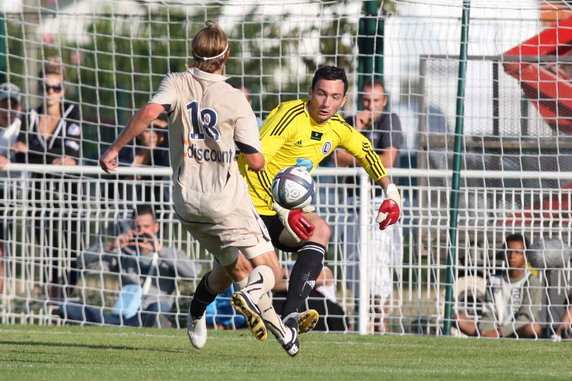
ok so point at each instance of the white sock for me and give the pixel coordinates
(260, 282)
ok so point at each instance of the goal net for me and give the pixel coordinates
(59, 222)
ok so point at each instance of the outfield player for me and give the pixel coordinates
(305, 132)
(206, 118)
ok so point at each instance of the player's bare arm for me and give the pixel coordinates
(136, 125)
(255, 161)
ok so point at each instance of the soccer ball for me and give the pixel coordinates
(293, 188)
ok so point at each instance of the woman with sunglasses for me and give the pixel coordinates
(52, 130)
(52, 134)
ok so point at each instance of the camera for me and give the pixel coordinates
(138, 238)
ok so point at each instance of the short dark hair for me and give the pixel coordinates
(330, 73)
(516, 237)
(144, 209)
(372, 84)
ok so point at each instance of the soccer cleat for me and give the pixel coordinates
(305, 321)
(243, 303)
(290, 342)
(197, 331)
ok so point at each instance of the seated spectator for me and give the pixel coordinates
(148, 274)
(513, 299)
(322, 299)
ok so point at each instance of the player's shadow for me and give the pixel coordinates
(78, 345)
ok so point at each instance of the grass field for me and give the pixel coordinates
(102, 353)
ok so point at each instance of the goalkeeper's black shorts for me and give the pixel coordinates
(275, 228)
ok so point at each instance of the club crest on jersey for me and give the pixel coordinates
(316, 135)
(326, 147)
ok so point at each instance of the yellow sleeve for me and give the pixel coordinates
(361, 148)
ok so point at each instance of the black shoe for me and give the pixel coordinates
(291, 344)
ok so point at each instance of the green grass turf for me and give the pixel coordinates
(104, 353)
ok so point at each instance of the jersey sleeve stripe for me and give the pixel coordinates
(373, 160)
(286, 119)
(374, 163)
(375, 167)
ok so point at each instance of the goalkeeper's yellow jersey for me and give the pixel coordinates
(289, 133)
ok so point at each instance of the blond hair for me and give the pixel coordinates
(52, 65)
(210, 46)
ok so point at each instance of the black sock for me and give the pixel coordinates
(304, 274)
(202, 298)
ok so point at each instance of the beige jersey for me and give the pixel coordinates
(206, 118)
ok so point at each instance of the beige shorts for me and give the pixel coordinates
(241, 231)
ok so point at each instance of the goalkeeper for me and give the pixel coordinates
(304, 132)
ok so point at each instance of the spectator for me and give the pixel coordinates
(52, 130)
(10, 107)
(384, 131)
(512, 301)
(148, 275)
(152, 144)
(52, 134)
(152, 150)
